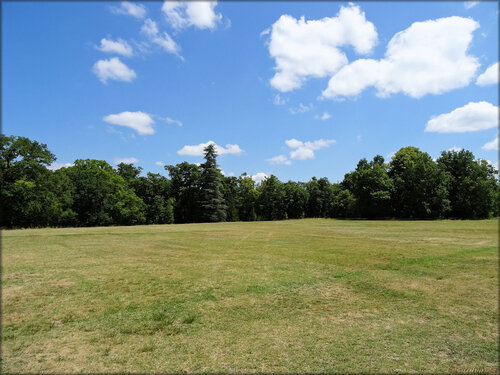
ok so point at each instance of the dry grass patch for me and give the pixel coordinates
(291, 296)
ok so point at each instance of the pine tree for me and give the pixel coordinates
(212, 204)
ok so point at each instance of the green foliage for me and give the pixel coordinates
(212, 203)
(343, 204)
(319, 193)
(155, 192)
(26, 199)
(295, 199)
(473, 186)
(271, 200)
(248, 196)
(102, 197)
(420, 187)
(372, 187)
(92, 193)
(185, 180)
(231, 198)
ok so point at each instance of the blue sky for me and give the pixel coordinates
(278, 94)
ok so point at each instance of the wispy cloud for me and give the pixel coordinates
(163, 40)
(130, 9)
(470, 4)
(278, 100)
(129, 160)
(301, 108)
(323, 117)
(169, 120)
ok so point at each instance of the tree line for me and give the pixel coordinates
(93, 193)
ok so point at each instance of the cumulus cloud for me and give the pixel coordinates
(456, 149)
(303, 49)
(259, 177)
(302, 108)
(169, 120)
(160, 163)
(150, 29)
(197, 150)
(55, 166)
(129, 160)
(280, 159)
(493, 145)
(119, 46)
(305, 150)
(139, 121)
(113, 69)
(183, 14)
(469, 118)
(130, 9)
(323, 117)
(429, 57)
(489, 77)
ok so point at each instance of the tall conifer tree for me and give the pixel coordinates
(212, 204)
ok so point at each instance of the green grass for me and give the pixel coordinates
(289, 296)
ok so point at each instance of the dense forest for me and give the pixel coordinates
(93, 193)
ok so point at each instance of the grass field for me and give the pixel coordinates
(290, 296)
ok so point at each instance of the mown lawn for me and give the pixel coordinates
(291, 296)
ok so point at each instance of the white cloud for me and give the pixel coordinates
(429, 57)
(130, 160)
(160, 163)
(259, 177)
(139, 121)
(489, 77)
(197, 150)
(323, 117)
(169, 120)
(131, 9)
(305, 150)
(120, 47)
(301, 109)
(456, 149)
(183, 14)
(280, 159)
(278, 100)
(150, 28)
(113, 69)
(303, 49)
(493, 145)
(470, 4)
(390, 155)
(55, 166)
(469, 118)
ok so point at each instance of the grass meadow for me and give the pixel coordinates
(311, 295)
